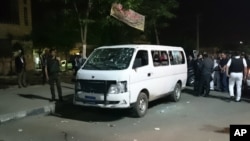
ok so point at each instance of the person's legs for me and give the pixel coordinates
(217, 80)
(224, 82)
(231, 84)
(239, 85)
(19, 82)
(212, 82)
(59, 88)
(24, 78)
(201, 86)
(52, 87)
(207, 79)
(43, 75)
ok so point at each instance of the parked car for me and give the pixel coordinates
(63, 65)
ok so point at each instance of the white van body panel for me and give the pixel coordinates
(155, 81)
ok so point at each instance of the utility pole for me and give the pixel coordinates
(198, 32)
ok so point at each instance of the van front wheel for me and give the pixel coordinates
(141, 106)
(177, 93)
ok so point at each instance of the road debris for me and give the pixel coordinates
(20, 130)
(157, 129)
(64, 121)
(111, 125)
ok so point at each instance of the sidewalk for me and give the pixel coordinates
(16, 103)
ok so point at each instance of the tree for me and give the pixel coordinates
(64, 22)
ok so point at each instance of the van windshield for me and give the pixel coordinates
(109, 59)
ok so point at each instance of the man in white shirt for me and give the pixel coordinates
(236, 71)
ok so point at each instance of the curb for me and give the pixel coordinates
(31, 112)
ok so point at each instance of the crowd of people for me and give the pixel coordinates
(224, 72)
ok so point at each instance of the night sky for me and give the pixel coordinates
(222, 22)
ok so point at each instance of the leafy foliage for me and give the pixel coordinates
(57, 22)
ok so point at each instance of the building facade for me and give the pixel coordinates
(15, 27)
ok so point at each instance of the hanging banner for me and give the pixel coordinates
(129, 16)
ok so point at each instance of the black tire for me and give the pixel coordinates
(176, 95)
(141, 106)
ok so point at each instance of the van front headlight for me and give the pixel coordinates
(119, 87)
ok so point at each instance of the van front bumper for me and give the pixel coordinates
(101, 100)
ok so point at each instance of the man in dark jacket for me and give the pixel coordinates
(197, 71)
(20, 64)
(206, 71)
(52, 69)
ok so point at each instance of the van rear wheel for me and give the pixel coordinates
(141, 106)
(176, 96)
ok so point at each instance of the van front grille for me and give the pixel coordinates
(95, 86)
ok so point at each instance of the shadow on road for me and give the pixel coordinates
(219, 95)
(91, 114)
(32, 96)
(68, 110)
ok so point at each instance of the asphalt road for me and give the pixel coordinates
(191, 119)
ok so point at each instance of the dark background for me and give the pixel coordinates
(222, 23)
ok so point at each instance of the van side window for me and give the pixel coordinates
(156, 57)
(171, 58)
(176, 57)
(164, 58)
(141, 59)
(160, 58)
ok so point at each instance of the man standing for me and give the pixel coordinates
(236, 68)
(78, 62)
(52, 69)
(197, 72)
(224, 80)
(20, 64)
(206, 72)
(44, 57)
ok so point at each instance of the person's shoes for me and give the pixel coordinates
(206, 95)
(232, 98)
(60, 100)
(53, 99)
(237, 100)
(19, 86)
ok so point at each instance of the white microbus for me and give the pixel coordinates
(125, 76)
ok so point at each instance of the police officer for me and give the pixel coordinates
(207, 67)
(52, 69)
(197, 72)
(236, 68)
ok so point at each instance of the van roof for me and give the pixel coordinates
(141, 46)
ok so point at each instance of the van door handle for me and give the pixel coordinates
(149, 74)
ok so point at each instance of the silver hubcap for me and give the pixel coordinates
(142, 105)
(177, 92)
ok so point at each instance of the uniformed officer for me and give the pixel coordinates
(236, 68)
(52, 69)
(207, 66)
(197, 72)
